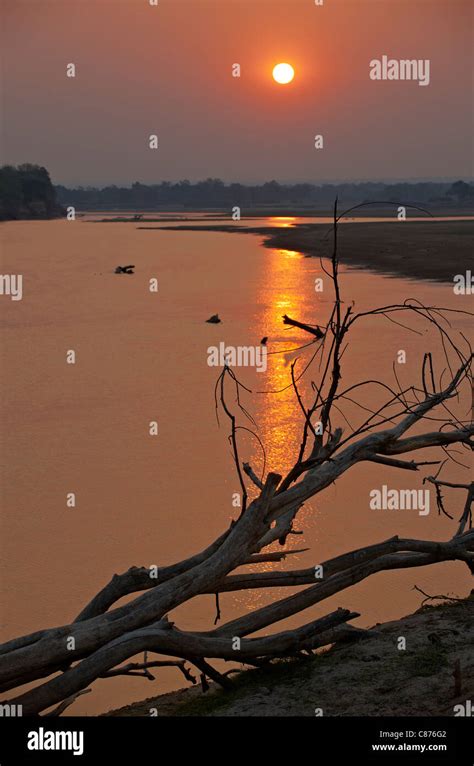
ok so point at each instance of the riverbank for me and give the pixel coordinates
(432, 250)
(373, 677)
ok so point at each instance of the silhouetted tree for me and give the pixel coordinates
(27, 192)
(462, 191)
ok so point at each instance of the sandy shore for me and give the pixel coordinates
(372, 677)
(434, 250)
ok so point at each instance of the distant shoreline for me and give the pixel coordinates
(217, 213)
(427, 250)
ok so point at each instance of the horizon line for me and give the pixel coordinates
(226, 182)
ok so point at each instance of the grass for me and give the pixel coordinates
(426, 661)
(248, 681)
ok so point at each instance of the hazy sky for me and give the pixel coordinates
(167, 70)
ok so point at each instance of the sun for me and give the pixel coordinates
(283, 73)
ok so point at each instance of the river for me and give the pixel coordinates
(141, 356)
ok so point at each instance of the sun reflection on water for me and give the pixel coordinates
(282, 220)
(286, 290)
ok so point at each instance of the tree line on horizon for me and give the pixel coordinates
(215, 193)
(26, 192)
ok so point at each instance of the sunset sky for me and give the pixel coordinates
(167, 70)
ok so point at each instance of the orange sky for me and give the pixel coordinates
(167, 70)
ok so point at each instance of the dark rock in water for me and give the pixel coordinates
(125, 269)
(214, 319)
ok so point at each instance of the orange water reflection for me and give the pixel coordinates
(284, 221)
(289, 290)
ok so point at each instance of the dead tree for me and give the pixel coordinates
(409, 420)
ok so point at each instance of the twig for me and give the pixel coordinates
(66, 703)
(435, 598)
